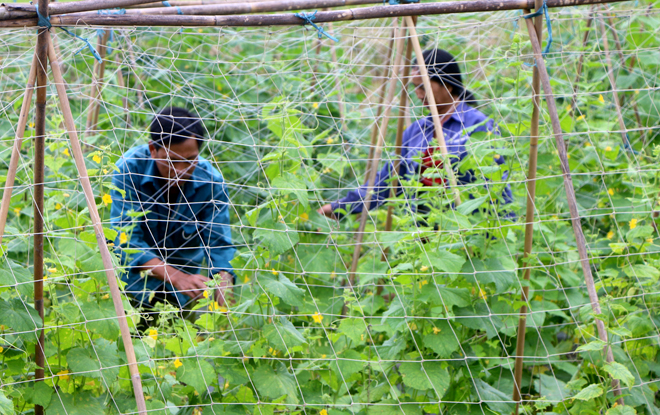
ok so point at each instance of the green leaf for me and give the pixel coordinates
(276, 237)
(81, 403)
(283, 288)
(353, 328)
(621, 410)
(642, 271)
(620, 372)
(440, 261)
(469, 206)
(332, 161)
(275, 384)
(348, 363)
(620, 331)
(20, 317)
(6, 406)
(594, 345)
(425, 375)
(590, 392)
(496, 400)
(101, 318)
(17, 276)
(41, 395)
(197, 373)
(443, 343)
(283, 335)
(288, 184)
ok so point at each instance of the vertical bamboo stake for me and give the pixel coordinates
(98, 230)
(138, 84)
(570, 197)
(39, 171)
(378, 149)
(580, 64)
(400, 127)
(122, 86)
(437, 124)
(97, 81)
(16, 149)
(333, 54)
(529, 221)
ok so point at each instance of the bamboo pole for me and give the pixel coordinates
(98, 230)
(437, 124)
(241, 8)
(18, 142)
(529, 216)
(376, 12)
(333, 54)
(580, 64)
(24, 10)
(38, 194)
(138, 81)
(378, 150)
(570, 197)
(122, 86)
(98, 74)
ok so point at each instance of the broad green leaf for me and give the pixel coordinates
(552, 388)
(620, 331)
(18, 277)
(471, 205)
(443, 261)
(348, 363)
(82, 362)
(283, 288)
(276, 237)
(442, 341)
(6, 406)
(275, 384)
(80, 403)
(590, 392)
(283, 335)
(288, 184)
(620, 372)
(621, 410)
(490, 271)
(594, 345)
(496, 400)
(101, 318)
(197, 373)
(642, 271)
(425, 375)
(42, 394)
(353, 328)
(20, 317)
(332, 161)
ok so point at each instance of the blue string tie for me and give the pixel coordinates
(43, 21)
(178, 9)
(543, 11)
(111, 38)
(397, 2)
(107, 12)
(309, 19)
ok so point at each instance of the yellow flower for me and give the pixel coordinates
(568, 156)
(569, 107)
(482, 294)
(63, 374)
(323, 412)
(422, 283)
(189, 50)
(304, 217)
(601, 99)
(96, 158)
(496, 156)
(205, 294)
(226, 385)
(105, 297)
(633, 223)
(107, 199)
(580, 118)
(436, 330)
(153, 333)
(330, 140)
(333, 274)
(610, 192)
(200, 30)
(315, 105)
(587, 144)
(327, 170)
(318, 318)
(538, 298)
(246, 279)
(17, 211)
(323, 356)
(649, 241)
(610, 235)
(274, 272)
(637, 91)
(31, 125)
(555, 217)
(177, 363)
(123, 238)
(66, 194)
(66, 152)
(424, 268)
(52, 270)
(58, 206)
(608, 148)
(2, 349)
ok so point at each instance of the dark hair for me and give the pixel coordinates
(174, 125)
(442, 67)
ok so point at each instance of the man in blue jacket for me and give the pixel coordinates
(171, 211)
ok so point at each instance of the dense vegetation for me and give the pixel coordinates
(431, 329)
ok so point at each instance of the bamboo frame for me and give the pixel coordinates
(529, 217)
(98, 73)
(24, 10)
(378, 150)
(570, 197)
(364, 13)
(79, 159)
(122, 85)
(16, 149)
(580, 63)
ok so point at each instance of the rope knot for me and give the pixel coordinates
(543, 11)
(167, 4)
(309, 19)
(42, 21)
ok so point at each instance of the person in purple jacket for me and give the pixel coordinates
(459, 120)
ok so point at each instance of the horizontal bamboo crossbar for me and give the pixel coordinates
(376, 12)
(23, 10)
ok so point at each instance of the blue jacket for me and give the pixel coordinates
(184, 234)
(416, 139)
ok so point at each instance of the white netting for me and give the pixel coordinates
(429, 324)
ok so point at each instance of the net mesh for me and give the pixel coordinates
(429, 323)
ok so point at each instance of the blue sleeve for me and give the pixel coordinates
(122, 205)
(216, 233)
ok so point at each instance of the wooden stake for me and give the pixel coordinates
(378, 150)
(39, 172)
(529, 221)
(437, 124)
(570, 197)
(98, 230)
(16, 149)
(98, 74)
(122, 86)
(580, 64)
(289, 19)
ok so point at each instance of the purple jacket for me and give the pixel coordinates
(416, 139)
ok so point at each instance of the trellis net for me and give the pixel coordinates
(429, 322)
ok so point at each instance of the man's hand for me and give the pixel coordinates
(193, 285)
(326, 210)
(223, 291)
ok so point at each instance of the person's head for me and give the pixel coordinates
(176, 138)
(446, 80)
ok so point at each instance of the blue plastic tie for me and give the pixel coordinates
(309, 19)
(397, 2)
(167, 4)
(628, 146)
(43, 21)
(111, 38)
(111, 11)
(543, 11)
